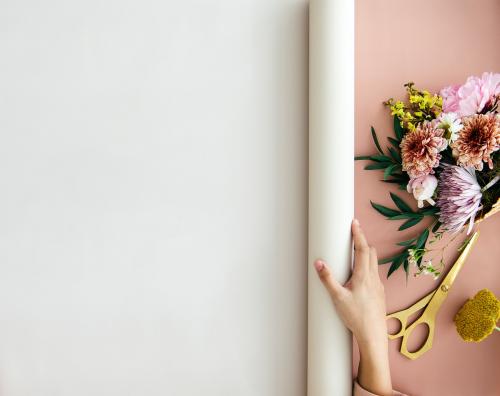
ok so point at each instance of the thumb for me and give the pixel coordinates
(325, 275)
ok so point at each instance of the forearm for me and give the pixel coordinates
(374, 372)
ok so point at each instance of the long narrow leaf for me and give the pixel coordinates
(378, 165)
(362, 157)
(388, 212)
(375, 139)
(429, 211)
(410, 223)
(394, 154)
(394, 142)
(394, 180)
(388, 259)
(406, 215)
(385, 261)
(422, 239)
(398, 129)
(407, 243)
(388, 171)
(380, 158)
(402, 205)
(406, 266)
(436, 227)
(395, 265)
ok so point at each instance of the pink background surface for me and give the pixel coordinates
(433, 43)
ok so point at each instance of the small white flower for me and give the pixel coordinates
(412, 259)
(451, 123)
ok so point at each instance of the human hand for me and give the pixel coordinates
(360, 303)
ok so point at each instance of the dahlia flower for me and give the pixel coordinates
(478, 139)
(473, 96)
(459, 197)
(420, 149)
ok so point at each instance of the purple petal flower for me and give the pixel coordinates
(459, 197)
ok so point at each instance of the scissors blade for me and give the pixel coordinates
(442, 291)
(452, 274)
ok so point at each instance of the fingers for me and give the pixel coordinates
(325, 275)
(361, 249)
(373, 260)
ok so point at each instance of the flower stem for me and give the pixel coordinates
(491, 183)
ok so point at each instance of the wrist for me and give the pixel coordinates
(371, 339)
(374, 370)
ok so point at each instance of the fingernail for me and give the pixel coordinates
(319, 265)
(356, 222)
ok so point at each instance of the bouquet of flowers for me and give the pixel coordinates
(445, 153)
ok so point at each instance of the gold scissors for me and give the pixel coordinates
(431, 302)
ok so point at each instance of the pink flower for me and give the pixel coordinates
(420, 149)
(450, 99)
(423, 188)
(491, 84)
(459, 197)
(473, 96)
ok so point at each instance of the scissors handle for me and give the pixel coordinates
(403, 316)
(432, 302)
(423, 320)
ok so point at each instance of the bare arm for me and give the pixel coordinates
(361, 305)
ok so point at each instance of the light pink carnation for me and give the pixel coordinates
(420, 149)
(473, 96)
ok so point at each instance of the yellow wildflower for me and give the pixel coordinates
(477, 319)
(421, 106)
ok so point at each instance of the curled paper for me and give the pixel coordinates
(331, 188)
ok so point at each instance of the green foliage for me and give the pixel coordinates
(390, 163)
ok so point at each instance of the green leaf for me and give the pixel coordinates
(375, 139)
(401, 176)
(386, 260)
(394, 142)
(394, 154)
(422, 239)
(406, 265)
(402, 205)
(388, 212)
(398, 129)
(362, 157)
(436, 227)
(380, 158)
(429, 211)
(410, 223)
(406, 215)
(388, 171)
(378, 165)
(395, 265)
(407, 243)
(395, 180)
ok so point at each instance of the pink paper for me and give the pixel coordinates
(433, 44)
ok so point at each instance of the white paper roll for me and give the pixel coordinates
(331, 188)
